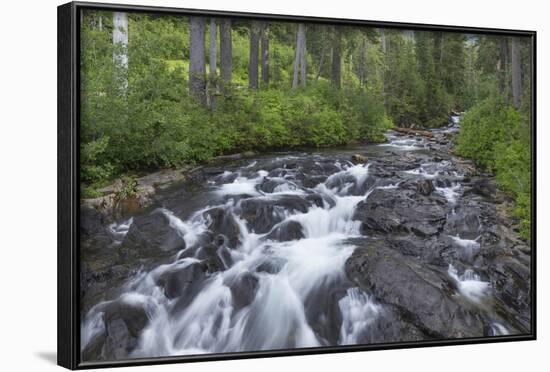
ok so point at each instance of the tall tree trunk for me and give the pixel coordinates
(100, 23)
(383, 41)
(321, 62)
(213, 58)
(516, 72)
(438, 53)
(197, 62)
(226, 54)
(362, 61)
(213, 62)
(120, 52)
(502, 67)
(303, 58)
(299, 75)
(265, 53)
(254, 50)
(336, 68)
(384, 74)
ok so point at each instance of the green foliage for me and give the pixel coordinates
(94, 166)
(128, 189)
(154, 123)
(485, 126)
(497, 137)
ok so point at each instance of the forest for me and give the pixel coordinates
(162, 91)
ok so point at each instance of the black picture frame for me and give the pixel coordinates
(68, 93)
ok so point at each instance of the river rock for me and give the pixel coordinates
(286, 231)
(359, 159)
(423, 295)
(271, 265)
(123, 321)
(482, 186)
(400, 211)
(511, 282)
(425, 187)
(261, 214)
(220, 220)
(151, 235)
(92, 222)
(178, 281)
(243, 289)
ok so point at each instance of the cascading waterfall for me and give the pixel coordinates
(283, 305)
(235, 285)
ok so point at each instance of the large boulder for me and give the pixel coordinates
(425, 296)
(124, 320)
(179, 280)
(401, 211)
(220, 221)
(286, 231)
(511, 283)
(92, 222)
(243, 287)
(261, 214)
(151, 235)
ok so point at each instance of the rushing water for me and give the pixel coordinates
(276, 289)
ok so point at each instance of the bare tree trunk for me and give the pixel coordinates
(299, 59)
(213, 58)
(384, 74)
(516, 72)
(265, 53)
(383, 40)
(362, 61)
(303, 58)
(213, 61)
(502, 67)
(100, 23)
(442, 49)
(226, 54)
(336, 68)
(437, 53)
(197, 60)
(255, 33)
(321, 61)
(120, 52)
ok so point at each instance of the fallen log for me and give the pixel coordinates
(415, 132)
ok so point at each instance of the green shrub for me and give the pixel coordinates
(497, 137)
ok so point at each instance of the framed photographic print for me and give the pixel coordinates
(236, 185)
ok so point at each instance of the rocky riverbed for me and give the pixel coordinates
(367, 244)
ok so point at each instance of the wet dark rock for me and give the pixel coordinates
(179, 280)
(243, 289)
(269, 184)
(272, 265)
(511, 282)
(214, 258)
(400, 211)
(286, 231)
(315, 199)
(222, 222)
(92, 222)
(123, 323)
(359, 159)
(465, 223)
(425, 187)
(150, 235)
(261, 214)
(423, 295)
(277, 172)
(482, 186)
